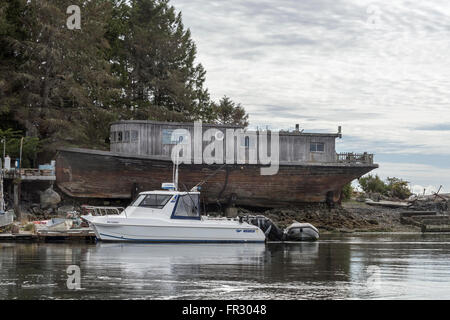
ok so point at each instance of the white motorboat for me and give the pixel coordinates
(301, 232)
(171, 216)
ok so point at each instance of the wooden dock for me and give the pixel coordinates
(427, 221)
(74, 235)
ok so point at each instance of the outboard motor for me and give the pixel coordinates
(272, 232)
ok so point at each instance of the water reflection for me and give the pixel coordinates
(348, 267)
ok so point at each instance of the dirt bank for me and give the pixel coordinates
(352, 216)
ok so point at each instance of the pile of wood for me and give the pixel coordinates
(428, 221)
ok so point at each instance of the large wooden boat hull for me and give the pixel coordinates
(83, 173)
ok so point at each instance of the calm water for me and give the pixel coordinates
(398, 266)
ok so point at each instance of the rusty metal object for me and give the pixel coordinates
(99, 174)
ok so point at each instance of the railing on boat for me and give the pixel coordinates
(100, 211)
(29, 174)
(350, 157)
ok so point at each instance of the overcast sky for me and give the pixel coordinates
(379, 69)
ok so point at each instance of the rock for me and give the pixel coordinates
(50, 199)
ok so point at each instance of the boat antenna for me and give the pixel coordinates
(187, 192)
(207, 178)
(175, 173)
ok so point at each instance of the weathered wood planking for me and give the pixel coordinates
(99, 174)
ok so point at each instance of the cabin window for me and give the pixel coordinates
(113, 136)
(187, 207)
(317, 147)
(247, 142)
(157, 201)
(175, 136)
(138, 200)
(126, 137)
(134, 136)
(119, 136)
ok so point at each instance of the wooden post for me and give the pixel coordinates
(2, 198)
(17, 200)
(20, 158)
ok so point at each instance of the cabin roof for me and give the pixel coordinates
(213, 125)
(176, 123)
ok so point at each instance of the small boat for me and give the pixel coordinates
(388, 204)
(170, 215)
(59, 224)
(301, 232)
(6, 217)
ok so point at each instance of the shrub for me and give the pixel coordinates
(347, 191)
(398, 188)
(393, 187)
(30, 227)
(373, 184)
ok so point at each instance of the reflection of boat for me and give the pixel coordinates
(170, 216)
(301, 232)
(185, 254)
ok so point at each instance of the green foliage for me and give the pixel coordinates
(31, 146)
(393, 187)
(30, 227)
(398, 188)
(373, 184)
(228, 112)
(347, 191)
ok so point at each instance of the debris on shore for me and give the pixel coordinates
(357, 215)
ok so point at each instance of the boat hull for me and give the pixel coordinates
(83, 173)
(177, 233)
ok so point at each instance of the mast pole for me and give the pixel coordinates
(176, 173)
(2, 199)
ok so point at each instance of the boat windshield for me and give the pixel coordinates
(138, 200)
(187, 207)
(157, 201)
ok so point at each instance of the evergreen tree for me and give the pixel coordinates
(132, 59)
(228, 112)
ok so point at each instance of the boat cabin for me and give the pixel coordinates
(154, 138)
(166, 203)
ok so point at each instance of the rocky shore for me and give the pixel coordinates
(351, 216)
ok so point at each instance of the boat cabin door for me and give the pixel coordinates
(187, 207)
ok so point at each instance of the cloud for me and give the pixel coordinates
(436, 127)
(417, 174)
(379, 69)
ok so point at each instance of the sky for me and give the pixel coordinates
(379, 69)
